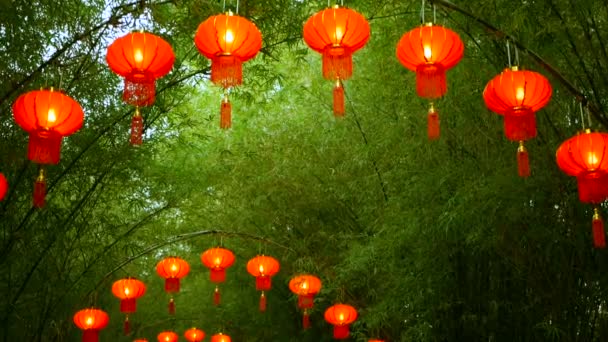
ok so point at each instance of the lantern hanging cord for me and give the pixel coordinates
(508, 53)
(582, 116)
(516, 55)
(224, 7)
(434, 13)
(422, 12)
(237, 6)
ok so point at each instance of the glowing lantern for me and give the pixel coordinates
(140, 58)
(140, 340)
(128, 290)
(48, 116)
(3, 186)
(375, 340)
(194, 335)
(341, 316)
(263, 268)
(90, 321)
(217, 260)
(518, 95)
(337, 33)
(220, 338)
(430, 50)
(167, 336)
(585, 157)
(172, 269)
(306, 286)
(228, 40)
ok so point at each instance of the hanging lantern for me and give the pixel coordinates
(217, 260)
(194, 335)
(306, 286)
(263, 268)
(3, 186)
(585, 157)
(48, 116)
(228, 40)
(341, 316)
(128, 290)
(167, 336)
(518, 95)
(90, 321)
(172, 269)
(140, 58)
(375, 340)
(220, 338)
(430, 50)
(141, 340)
(337, 33)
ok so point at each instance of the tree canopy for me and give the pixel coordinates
(429, 240)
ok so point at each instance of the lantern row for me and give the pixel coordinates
(217, 260)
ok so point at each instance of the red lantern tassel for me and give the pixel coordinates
(431, 81)
(90, 335)
(137, 128)
(40, 189)
(127, 326)
(225, 114)
(171, 306)
(339, 105)
(217, 297)
(523, 161)
(262, 302)
(433, 124)
(599, 236)
(306, 320)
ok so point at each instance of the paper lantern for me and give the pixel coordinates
(194, 335)
(48, 116)
(91, 321)
(220, 338)
(217, 260)
(341, 316)
(167, 336)
(430, 50)
(585, 157)
(3, 186)
(141, 340)
(228, 40)
(140, 58)
(375, 340)
(172, 269)
(263, 268)
(518, 95)
(306, 286)
(337, 33)
(128, 290)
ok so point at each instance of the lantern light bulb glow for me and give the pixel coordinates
(229, 37)
(520, 94)
(592, 159)
(428, 53)
(127, 291)
(173, 268)
(51, 116)
(341, 316)
(339, 34)
(89, 321)
(262, 269)
(139, 56)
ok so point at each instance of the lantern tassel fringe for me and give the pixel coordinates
(127, 326)
(217, 297)
(433, 124)
(523, 161)
(599, 235)
(225, 114)
(339, 104)
(171, 307)
(137, 128)
(306, 320)
(263, 302)
(40, 189)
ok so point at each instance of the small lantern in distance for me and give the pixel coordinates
(172, 269)
(91, 321)
(217, 260)
(128, 290)
(167, 336)
(341, 316)
(194, 335)
(306, 286)
(263, 268)
(220, 338)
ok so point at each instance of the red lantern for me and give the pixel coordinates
(228, 40)
(430, 51)
(517, 95)
(341, 316)
(263, 268)
(194, 335)
(337, 33)
(91, 321)
(3, 186)
(128, 290)
(48, 116)
(375, 340)
(217, 260)
(141, 340)
(220, 338)
(306, 286)
(585, 157)
(172, 269)
(140, 58)
(167, 336)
